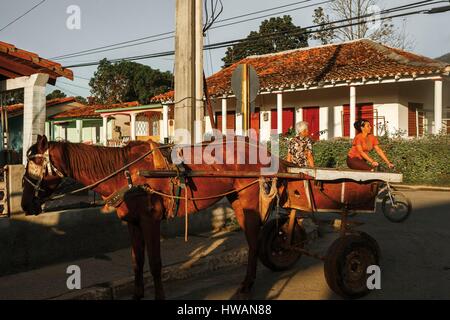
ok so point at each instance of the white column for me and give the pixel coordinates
(133, 126)
(79, 125)
(437, 106)
(165, 122)
(34, 113)
(324, 124)
(298, 114)
(280, 113)
(239, 131)
(352, 110)
(224, 115)
(105, 131)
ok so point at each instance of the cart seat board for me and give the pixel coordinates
(327, 174)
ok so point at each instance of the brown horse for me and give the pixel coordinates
(49, 162)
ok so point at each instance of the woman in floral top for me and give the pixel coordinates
(300, 147)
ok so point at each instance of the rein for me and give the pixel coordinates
(50, 167)
(93, 185)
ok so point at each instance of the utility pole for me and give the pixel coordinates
(189, 70)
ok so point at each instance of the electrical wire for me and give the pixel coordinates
(249, 39)
(23, 15)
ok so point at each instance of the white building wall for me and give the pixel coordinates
(389, 100)
(208, 128)
(418, 92)
(337, 127)
(389, 112)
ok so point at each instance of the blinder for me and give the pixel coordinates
(39, 172)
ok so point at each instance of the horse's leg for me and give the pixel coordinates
(249, 221)
(150, 224)
(138, 259)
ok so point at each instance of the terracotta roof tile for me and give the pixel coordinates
(89, 111)
(16, 62)
(348, 61)
(14, 108)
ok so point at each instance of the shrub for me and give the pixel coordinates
(423, 160)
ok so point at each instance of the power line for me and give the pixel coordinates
(74, 85)
(83, 78)
(23, 15)
(67, 90)
(172, 32)
(234, 42)
(394, 9)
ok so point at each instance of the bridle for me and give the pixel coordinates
(39, 172)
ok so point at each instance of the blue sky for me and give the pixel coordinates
(105, 22)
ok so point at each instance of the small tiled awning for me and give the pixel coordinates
(16, 62)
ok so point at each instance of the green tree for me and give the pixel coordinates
(274, 35)
(56, 94)
(323, 20)
(81, 100)
(128, 81)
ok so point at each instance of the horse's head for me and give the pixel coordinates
(41, 177)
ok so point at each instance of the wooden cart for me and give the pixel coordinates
(347, 192)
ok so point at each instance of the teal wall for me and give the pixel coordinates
(15, 126)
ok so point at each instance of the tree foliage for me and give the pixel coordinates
(383, 31)
(56, 94)
(81, 100)
(274, 35)
(128, 81)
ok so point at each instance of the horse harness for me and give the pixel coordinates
(177, 184)
(38, 172)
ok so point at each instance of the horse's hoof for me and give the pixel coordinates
(239, 295)
(137, 296)
(243, 293)
(160, 297)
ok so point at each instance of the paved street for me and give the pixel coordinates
(415, 262)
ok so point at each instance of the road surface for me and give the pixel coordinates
(415, 262)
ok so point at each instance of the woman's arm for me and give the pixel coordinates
(289, 157)
(383, 156)
(310, 159)
(366, 156)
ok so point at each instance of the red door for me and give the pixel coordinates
(231, 120)
(255, 121)
(288, 118)
(415, 112)
(311, 115)
(363, 111)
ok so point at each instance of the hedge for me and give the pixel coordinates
(424, 160)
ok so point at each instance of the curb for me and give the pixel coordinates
(420, 188)
(117, 289)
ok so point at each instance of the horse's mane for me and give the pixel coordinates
(95, 161)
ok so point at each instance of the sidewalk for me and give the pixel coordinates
(110, 275)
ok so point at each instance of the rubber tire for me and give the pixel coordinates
(408, 205)
(267, 238)
(334, 267)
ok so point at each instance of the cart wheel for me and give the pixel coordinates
(272, 244)
(400, 210)
(346, 264)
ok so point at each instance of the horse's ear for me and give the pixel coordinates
(42, 143)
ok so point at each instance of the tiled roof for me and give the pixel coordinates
(89, 111)
(14, 108)
(16, 62)
(57, 101)
(337, 63)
